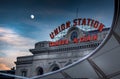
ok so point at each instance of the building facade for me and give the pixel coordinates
(50, 56)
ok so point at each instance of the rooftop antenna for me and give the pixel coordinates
(77, 16)
(77, 13)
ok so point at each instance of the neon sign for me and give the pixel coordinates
(76, 40)
(76, 22)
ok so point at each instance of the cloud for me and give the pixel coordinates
(8, 61)
(4, 67)
(13, 45)
(10, 37)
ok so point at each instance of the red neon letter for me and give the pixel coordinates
(67, 24)
(88, 38)
(84, 21)
(79, 21)
(75, 40)
(88, 23)
(74, 22)
(56, 31)
(63, 27)
(96, 24)
(52, 35)
(101, 27)
(59, 28)
(95, 37)
(92, 23)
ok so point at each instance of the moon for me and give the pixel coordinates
(32, 16)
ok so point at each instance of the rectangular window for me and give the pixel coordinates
(24, 73)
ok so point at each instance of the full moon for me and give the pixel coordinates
(32, 16)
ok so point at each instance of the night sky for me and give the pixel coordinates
(19, 32)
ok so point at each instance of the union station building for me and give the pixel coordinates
(49, 56)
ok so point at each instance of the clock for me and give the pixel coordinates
(74, 34)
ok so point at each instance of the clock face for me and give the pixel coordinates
(74, 34)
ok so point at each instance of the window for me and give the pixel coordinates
(74, 34)
(40, 71)
(55, 68)
(24, 73)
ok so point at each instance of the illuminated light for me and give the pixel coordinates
(101, 27)
(92, 23)
(83, 22)
(60, 29)
(88, 23)
(67, 24)
(79, 21)
(76, 40)
(32, 16)
(81, 39)
(66, 41)
(88, 38)
(56, 31)
(63, 26)
(58, 43)
(95, 37)
(52, 35)
(75, 22)
(96, 24)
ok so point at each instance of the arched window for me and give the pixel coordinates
(40, 71)
(24, 73)
(55, 68)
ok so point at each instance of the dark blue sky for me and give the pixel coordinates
(18, 32)
(15, 14)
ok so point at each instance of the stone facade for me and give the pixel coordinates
(46, 59)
